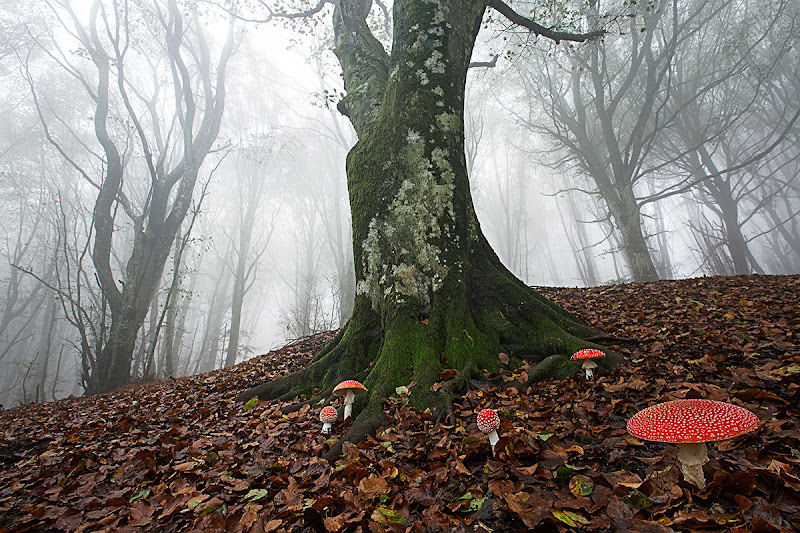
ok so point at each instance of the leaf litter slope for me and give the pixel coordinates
(183, 456)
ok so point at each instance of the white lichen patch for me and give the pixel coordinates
(438, 16)
(434, 63)
(448, 122)
(438, 91)
(423, 77)
(401, 255)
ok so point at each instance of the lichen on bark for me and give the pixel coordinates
(402, 253)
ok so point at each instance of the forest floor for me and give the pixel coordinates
(183, 456)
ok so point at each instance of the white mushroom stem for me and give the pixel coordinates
(326, 427)
(348, 404)
(588, 367)
(493, 438)
(692, 456)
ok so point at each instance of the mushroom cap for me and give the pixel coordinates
(349, 384)
(681, 421)
(327, 415)
(488, 420)
(589, 353)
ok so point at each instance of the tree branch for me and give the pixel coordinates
(271, 14)
(558, 36)
(486, 64)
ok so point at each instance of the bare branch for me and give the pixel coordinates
(486, 64)
(558, 36)
(273, 15)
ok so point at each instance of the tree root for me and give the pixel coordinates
(449, 388)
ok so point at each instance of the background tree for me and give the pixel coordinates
(157, 96)
(252, 182)
(731, 136)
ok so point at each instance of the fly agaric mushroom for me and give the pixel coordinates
(588, 364)
(488, 422)
(690, 424)
(349, 388)
(327, 416)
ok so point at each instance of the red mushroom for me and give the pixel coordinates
(327, 416)
(488, 422)
(587, 357)
(349, 388)
(690, 424)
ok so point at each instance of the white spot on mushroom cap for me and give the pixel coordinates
(691, 420)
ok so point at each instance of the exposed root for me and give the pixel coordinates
(450, 387)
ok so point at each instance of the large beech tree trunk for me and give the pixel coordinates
(431, 294)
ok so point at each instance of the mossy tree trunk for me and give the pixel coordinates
(431, 294)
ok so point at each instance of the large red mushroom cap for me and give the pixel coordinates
(691, 421)
(349, 388)
(690, 424)
(589, 353)
(488, 420)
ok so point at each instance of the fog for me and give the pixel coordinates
(668, 150)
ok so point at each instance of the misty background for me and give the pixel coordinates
(668, 150)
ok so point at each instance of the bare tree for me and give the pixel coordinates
(254, 226)
(732, 134)
(157, 96)
(602, 107)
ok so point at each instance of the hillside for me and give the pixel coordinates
(183, 456)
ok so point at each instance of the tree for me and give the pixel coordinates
(250, 190)
(602, 108)
(430, 294)
(157, 97)
(731, 132)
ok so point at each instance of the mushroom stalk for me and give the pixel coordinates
(326, 427)
(692, 456)
(493, 438)
(348, 404)
(588, 367)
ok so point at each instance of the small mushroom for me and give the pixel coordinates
(327, 416)
(349, 388)
(690, 424)
(488, 422)
(587, 357)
